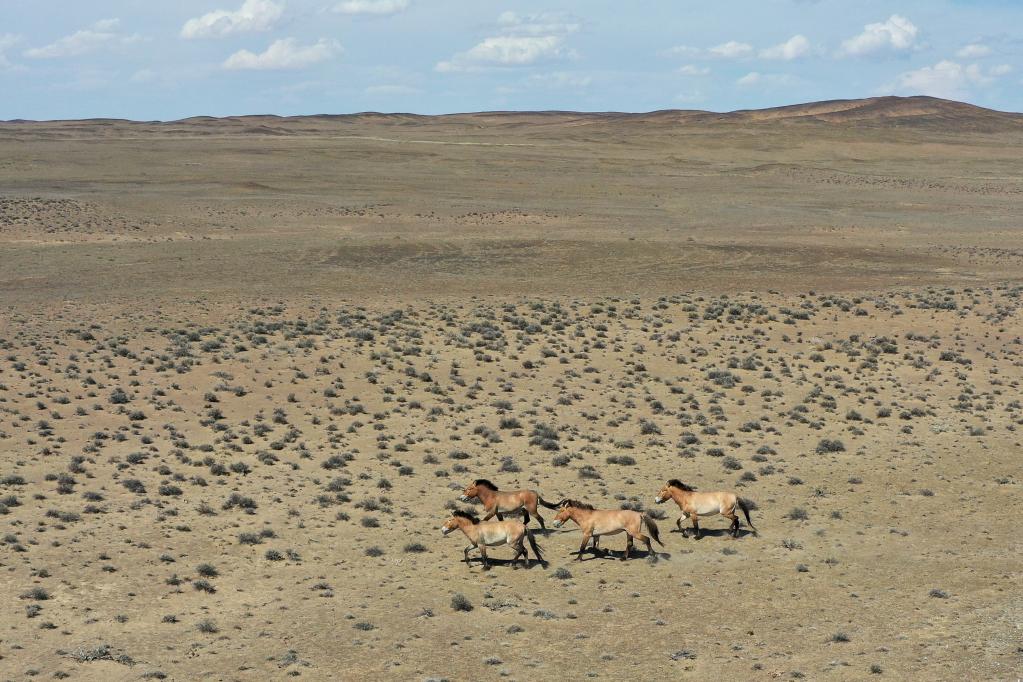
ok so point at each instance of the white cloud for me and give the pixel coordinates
(973, 51)
(283, 54)
(731, 50)
(693, 70)
(506, 51)
(524, 40)
(541, 23)
(947, 79)
(101, 34)
(378, 7)
(691, 97)
(754, 78)
(143, 76)
(682, 51)
(751, 78)
(897, 34)
(7, 41)
(796, 47)
(253, 15)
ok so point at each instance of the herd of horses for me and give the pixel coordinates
(593, 523)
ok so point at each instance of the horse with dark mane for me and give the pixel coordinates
(492, 533)
(499, 502)
(694, 505)
(597, 522)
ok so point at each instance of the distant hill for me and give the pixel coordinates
(923, 112)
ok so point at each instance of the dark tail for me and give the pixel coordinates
(652, 527)
(535, 547)
(548, 504)
(745, 510)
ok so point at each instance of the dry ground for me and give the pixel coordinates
(246, 367)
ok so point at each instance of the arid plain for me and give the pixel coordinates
(247, 366)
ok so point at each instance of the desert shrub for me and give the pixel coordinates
(459, 602)
(798, 514)
(826, 445)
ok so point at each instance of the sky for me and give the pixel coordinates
(165, 60)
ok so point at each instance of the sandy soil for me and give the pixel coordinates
(247, 366)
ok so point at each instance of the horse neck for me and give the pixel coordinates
(485, 494)
(579, 515)
(470, 529)
(679, 495)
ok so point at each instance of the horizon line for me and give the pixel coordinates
(794, 105)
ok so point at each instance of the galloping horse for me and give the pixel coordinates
(597, 522)
(482, 535)
(695, 505)
(498, 502)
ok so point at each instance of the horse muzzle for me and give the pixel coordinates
(463, 498)
(556, 524)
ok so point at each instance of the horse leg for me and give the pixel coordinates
(525, 516)
(466, 551)
(734, 530)
(486, 562)
(678, 524)
(582, 547)
(536, 512)
(628, 547)
(696, 526)
(645, 539)
(520, 550)
(490, 514)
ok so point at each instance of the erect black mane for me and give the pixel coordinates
(466, 515)
(675, 483)
(577, 504)
(485, 483)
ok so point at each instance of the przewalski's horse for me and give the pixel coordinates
(597, 522)
(694, 505)
(499, 502)
(491, 533)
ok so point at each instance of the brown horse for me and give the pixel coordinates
(694, 505)
(482, 535)
(499, 502)
(597, 522)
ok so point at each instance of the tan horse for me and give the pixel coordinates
(499, 502)
(597, 522)
(492, 533)
(694, 505)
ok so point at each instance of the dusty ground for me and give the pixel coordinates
(247, 365)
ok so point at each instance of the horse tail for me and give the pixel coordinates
(744, 506)
(548, 504)
(652, 527)
(535, 547)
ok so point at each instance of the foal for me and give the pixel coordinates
(492, 533)
(694, 505)
(597, 522)
(499, 502)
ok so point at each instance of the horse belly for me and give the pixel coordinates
(492, 539)
(607, 530)
(708, 508)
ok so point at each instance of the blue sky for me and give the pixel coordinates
(150, 59)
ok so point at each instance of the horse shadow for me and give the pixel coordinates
(496, 562)
(590, 554)
(712, 532)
